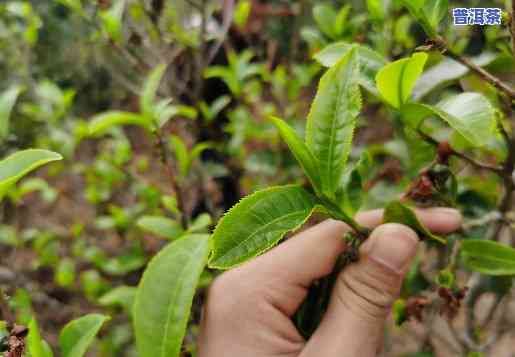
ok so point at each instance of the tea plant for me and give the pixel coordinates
(211, 102)
(260, 221)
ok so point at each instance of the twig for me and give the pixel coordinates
(228, 12)
(497, 169)
(512, 26)
(7, 315)
(477, 164)
(168, 169)
(508, 169)
(487, 218)
(487, 76)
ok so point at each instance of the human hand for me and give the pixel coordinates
(249, 309)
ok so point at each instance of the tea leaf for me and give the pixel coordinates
(396, 212)
(304, 156)
(200, 224)
(160, 226)
(332, 119)
(165, 295)
(488, 257)
(325, 17)
(445, 72)
(99, 124)
(7, 101)
(258, 222)
(353, 198)
(181, 154)
(112, 20)
(396, 80)
(428, 13)
(241, 13)
(149, 92)
(120, 296)
(77, 335)
(37, 347)
(370, 62)
(17, 165)
(470, 114)
(435, 11)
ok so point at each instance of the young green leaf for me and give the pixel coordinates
(197, 150)
(332, 119)
(7, 101)
(225, 74)
(304, 156)
(376, 9)
(325, 18)
(428, 13)
(100, 123)
(341, 21)
(200, 224)
(435, 11)
(148, 95)
(241, 13)
(164, 112)
(470, 114)
(258, 222)
(65, 272)
(112, 20)
(77, 335)
(21, 163)
(396, 80)
(165, 295)
(36, 346)
(160, 226)
(446, 72)
(488, 257)
(181, 154)
(48, 193)
(396, 212)
(120, 296)
(184, 156)
(353, 197)
(369, 60)
(210, 112)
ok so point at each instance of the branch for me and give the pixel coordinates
(488, 218)
(168, 169)
(512, 26)
(496, 169)
(7, 315)
(487, 76)
(477, 164)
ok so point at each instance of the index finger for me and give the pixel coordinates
(312, 253)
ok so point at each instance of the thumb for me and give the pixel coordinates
(363, 294)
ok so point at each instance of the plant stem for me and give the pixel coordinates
(7, 315)
(496, 169)
(487, 76)
(167, 165)
(512, 26)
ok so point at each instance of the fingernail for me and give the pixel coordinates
(393, 246)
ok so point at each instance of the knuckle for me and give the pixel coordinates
(228, 290)
(220, 297)
(368, 292)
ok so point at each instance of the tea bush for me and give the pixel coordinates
(141, 122)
